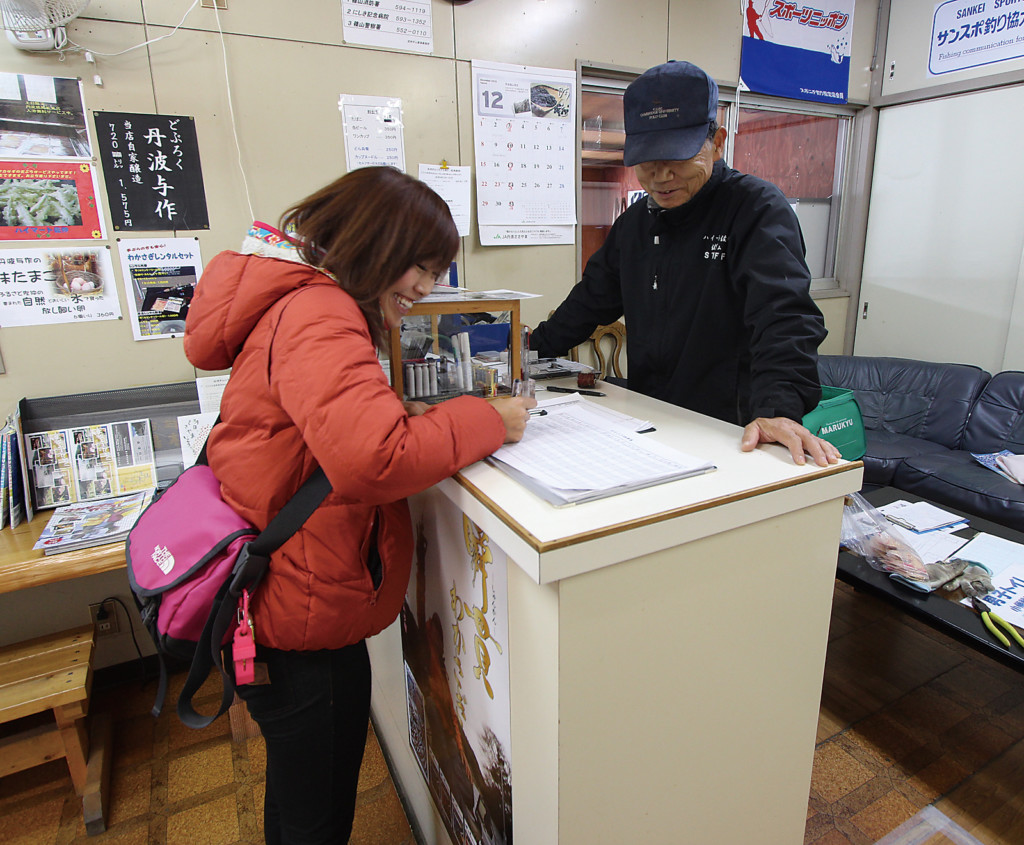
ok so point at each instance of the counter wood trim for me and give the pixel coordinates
(541, 546)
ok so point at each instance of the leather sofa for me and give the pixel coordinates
(923, 420)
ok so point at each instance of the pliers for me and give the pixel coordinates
(990, 620)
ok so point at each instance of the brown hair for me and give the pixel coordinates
(368, 228)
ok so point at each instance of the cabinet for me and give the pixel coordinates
(467, 303)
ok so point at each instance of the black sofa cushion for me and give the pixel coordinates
(886, 450)
(958, 481)
(909, 407)
(997, 420)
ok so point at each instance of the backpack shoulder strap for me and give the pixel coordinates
(249, 570)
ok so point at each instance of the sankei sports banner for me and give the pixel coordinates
(797, 51)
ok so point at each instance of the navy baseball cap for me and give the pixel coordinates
(667, 111)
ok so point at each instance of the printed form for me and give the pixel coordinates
(578, 451)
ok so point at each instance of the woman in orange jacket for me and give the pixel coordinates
(298, 318)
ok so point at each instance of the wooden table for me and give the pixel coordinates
(21, 567)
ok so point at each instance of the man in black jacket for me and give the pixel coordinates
(709, 272)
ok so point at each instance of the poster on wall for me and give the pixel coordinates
(152, 172)
(42, 117)
(43, 286)
(795, 51)
(455, 645)
(159, 280)
(524, 138)
(41, 200)
(400, 24)
(373, 131)
(966, 34)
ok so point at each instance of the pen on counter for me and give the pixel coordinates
(556, 389)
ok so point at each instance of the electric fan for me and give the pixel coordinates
(39, 24)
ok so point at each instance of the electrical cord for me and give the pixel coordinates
(137, 46)
(131, 627)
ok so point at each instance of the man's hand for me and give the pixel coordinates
(793, 436)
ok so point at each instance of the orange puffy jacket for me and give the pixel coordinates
(306, 388)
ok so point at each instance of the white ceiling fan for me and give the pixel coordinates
(39, 24)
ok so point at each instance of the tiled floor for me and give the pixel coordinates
(172, 785)
(911, 719)
(920, 742)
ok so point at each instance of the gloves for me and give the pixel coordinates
(975, 580)
(944, 572)
(937, 575)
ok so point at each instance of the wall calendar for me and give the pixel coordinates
(525, 141)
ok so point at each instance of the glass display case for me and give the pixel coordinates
(465, 343)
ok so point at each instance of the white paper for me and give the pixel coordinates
(9, 89)
(524, 132)
(399, 24)
(210, 389)
(40, 89)
(558, 451)
(526, 235)
(452, 184)
(994, 552)
(32, 285)
(920, 516)
(931, 547)
(193, 430)
(373, 131)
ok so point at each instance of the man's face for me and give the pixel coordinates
(673, 183)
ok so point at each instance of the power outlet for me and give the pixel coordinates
(104, 618)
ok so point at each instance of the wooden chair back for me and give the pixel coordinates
(608, 343)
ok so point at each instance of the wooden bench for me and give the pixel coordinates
(54, 673)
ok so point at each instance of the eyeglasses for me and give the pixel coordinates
(434, 275)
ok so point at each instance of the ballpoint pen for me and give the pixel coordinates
(556, 389)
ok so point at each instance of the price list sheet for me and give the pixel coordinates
(374, 135)
(524, 137)
(400, 24)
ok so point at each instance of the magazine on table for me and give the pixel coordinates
(86, 463)
(87, 524)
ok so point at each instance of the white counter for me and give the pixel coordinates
(665, 646)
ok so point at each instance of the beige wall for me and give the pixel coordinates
(285, 71)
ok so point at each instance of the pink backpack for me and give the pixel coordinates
(190, 557)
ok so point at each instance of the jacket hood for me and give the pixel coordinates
(233, 294)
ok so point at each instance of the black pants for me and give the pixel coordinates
(313, 715)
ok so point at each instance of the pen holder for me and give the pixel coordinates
(524, 387)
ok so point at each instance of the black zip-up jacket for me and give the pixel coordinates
(716, 298)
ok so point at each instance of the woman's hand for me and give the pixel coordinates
(416, 409)
(515, 413)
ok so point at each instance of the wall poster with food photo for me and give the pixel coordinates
(49, 199)
(56, 285)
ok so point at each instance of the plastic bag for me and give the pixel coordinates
(869, 534)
